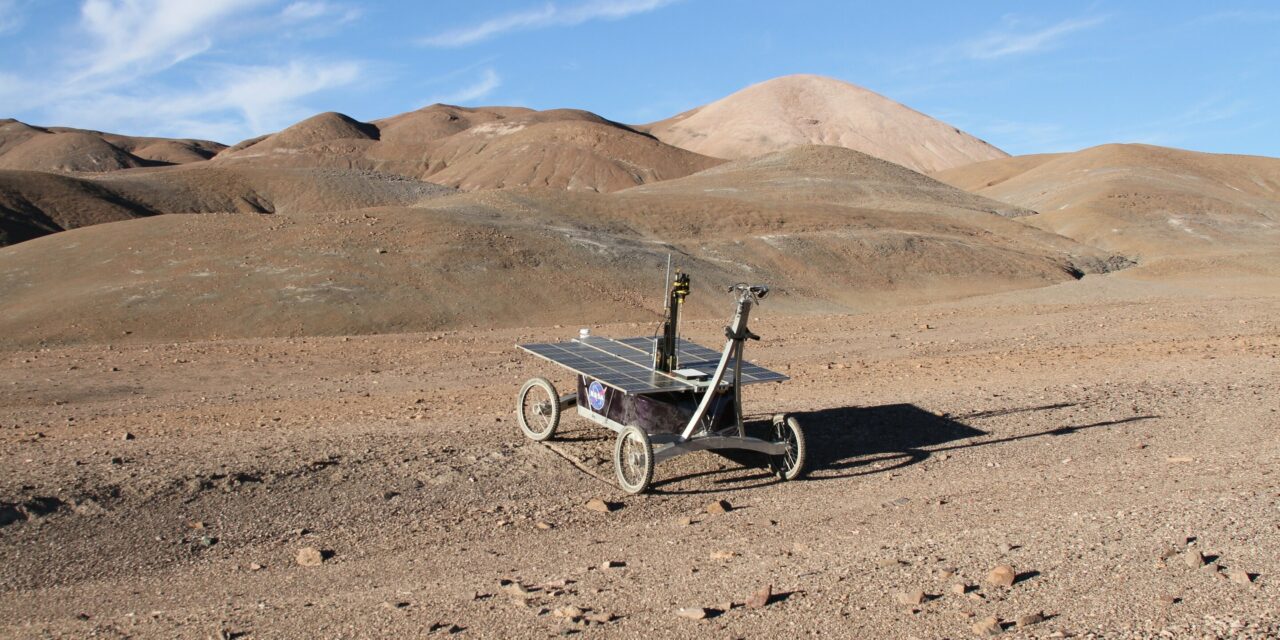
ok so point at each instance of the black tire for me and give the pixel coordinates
(538, 409)
(633, 460)
(789, 465)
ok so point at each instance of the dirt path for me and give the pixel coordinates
(1076, 437)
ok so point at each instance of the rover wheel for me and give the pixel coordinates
(538, 409)
(789, 465)
(633, 459)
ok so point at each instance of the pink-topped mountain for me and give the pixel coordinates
(807, 109)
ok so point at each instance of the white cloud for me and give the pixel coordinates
(111, 81)
(1015, 42)
(488, 81)
(143, 36)
(549, 15)
(232, 104)
(307, 10)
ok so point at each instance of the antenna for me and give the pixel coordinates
(666, 286)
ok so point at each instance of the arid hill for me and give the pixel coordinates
(806, 109)
(34, 203)
(474, 149)
(1139, 200)
(831, 228)
(60, 149)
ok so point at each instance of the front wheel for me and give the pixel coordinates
(633, 459)
(538, 409)
(788, 465)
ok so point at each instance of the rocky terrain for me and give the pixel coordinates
(266, 390)
(1110, 441)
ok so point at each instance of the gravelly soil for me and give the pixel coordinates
(1080, 433)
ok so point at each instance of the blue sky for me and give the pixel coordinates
(1026, 76)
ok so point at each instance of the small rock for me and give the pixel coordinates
(685, 521)
(910, 598)
(1239, 576)
(598, 618)
(959, 588)
(692, 613)
(722, 555)
(569, 611)
(310, 557)
(1168, 599)
(987, 626)
(946, 574)
(545, 526)
(1002, 576)
(126, 436)
(253, 566)
(888, 563)
(598, 505)
(760, 597)
(208, 541)
(1193, 558)
(719, 507)
(1030, 619)
(612, 564)
(516, 590)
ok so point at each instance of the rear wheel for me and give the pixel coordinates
(538, 409)
(788, 465)
(633, 459)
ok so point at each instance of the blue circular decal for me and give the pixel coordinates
(595, 395)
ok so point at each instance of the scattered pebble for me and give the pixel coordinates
(760, 597)
(989, 626)
(719, 507)
(692, 613)
(959, 588)
(1239, 576)
(1002, 576)
(722, 555)
(1030, 619)
(310, 557)
(598, 505)
(910, 598)
(612, 564)
(1193, 558)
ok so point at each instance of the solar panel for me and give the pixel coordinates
(608, 366)
(627, 364)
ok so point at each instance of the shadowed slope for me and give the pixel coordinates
(829, 228)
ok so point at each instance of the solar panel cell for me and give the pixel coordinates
(626, 364)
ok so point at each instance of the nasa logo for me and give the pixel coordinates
(595, 395)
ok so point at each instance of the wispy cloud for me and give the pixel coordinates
(111, 78)
(232, 103)
(1017, 41)
(483, 86)
(11, 16)
(143, 36)
(549, 15)
(1214, 110)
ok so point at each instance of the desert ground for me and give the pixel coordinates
(267, 389)
(1090, 434)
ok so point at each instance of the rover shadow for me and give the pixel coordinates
(847, 442)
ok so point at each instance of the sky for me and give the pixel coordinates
(1028, 77)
